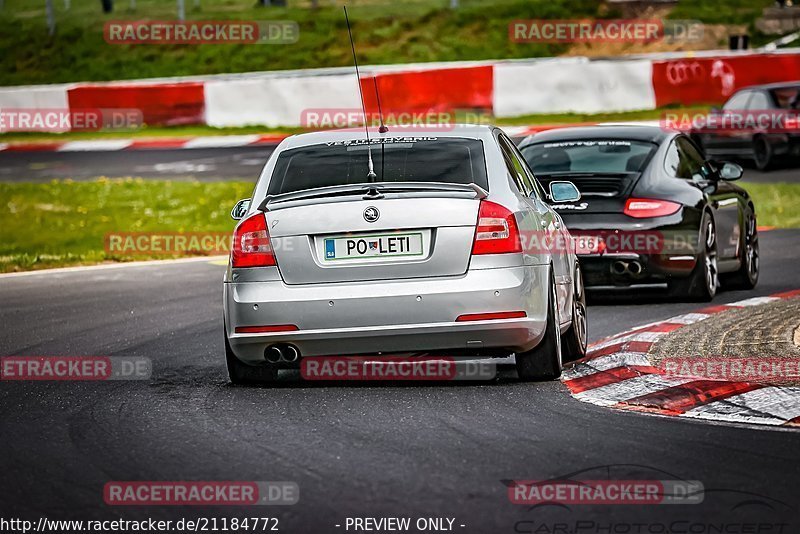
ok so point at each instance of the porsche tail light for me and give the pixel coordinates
(643, 208)
(497, 231)
(251, 244)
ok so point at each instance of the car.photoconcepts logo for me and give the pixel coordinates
(371, 214)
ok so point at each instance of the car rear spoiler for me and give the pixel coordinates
(372, 191)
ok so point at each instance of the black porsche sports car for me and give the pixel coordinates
(653, 211)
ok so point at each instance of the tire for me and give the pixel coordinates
(763, 154)
(703, 282)
(575, 339)
(242, 374)
(747, 275)
(543, 362)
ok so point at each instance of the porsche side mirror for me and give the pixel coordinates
(561, 191)
(730, 171)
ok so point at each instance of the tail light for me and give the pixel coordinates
(251, 245)
(643, 208)
(497, 231)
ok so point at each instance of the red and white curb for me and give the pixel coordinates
(617, 373)
(167, 143)
(224, 141)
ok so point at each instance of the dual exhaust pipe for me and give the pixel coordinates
(281, 354)
(627, 267)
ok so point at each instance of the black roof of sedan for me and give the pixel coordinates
(628, 132)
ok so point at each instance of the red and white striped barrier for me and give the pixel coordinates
(618, 373)
(213, 141)
(169, 143)
(502, 88)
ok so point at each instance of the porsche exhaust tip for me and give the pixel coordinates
(619, 267)
(633, 268)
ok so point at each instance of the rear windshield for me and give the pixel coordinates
(787, 97)
(397, 159)
(595, 156)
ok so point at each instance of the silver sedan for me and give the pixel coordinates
(403, 243)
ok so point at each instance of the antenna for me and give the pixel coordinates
(383, 128)
(371, 174)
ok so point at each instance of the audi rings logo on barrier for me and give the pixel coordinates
(682, 72)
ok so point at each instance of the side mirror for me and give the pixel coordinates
(730, 171)
(240, 209)
(564, 192)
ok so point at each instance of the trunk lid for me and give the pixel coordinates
(410, 236)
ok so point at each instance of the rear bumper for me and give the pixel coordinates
(412, 315)
(671, 249)
(654, 269)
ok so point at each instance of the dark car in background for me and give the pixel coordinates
(756, 107)
(653, 211)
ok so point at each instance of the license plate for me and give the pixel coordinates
(373, 246)
(588, 245)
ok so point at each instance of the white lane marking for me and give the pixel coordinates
(95, 146)
(637, 336)
(179, 167)
(744, 416)
(221, 141)
(755, 301)
(628, 389)
(780, 402)
(688, 318)
(630, 123)
(515, 131)
(603, 363)
(122, 265)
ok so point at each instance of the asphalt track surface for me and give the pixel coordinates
(356, 450)
(240, 163)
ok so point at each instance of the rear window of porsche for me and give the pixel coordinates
(589, 155)
(395, 159)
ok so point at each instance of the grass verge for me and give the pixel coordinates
(776, 204)
(65, 223)
(386, 32)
